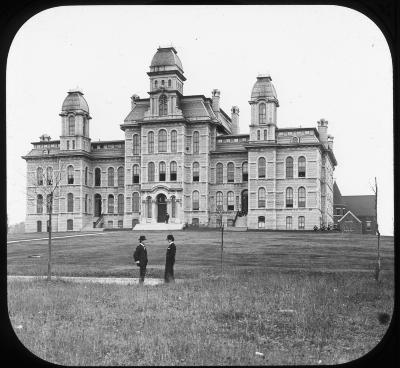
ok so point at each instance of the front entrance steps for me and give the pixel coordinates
(158, 226)
(241, 222)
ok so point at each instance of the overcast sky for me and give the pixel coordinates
(325, 62)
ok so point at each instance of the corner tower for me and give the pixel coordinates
(264, 103)
(75, 122)
(166, 84)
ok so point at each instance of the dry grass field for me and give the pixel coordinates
(282, 298)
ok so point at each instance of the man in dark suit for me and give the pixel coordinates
(140, 257)
(170, 260)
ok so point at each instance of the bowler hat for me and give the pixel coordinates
(170, 237)
(142, 237)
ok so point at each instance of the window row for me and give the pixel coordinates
(70, 203)
(301, 221)
(301, 199)
(301, 173)
(162, 169)
(71, 129)
(162, 83)
(49, 178)
(162, 142)
(230, 172)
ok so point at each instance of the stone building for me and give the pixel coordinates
(183, 155)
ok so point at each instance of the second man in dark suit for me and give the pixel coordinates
(170, 260)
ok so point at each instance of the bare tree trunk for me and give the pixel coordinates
(222, 244)
(49, 257)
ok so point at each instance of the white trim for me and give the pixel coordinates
(352, 215)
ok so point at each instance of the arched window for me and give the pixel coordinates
(86, 175)
(161, 171)
(162, 82)
(120, 204)
(110, 203)
(295, 139)
(162, 141)
(265, 134)
(302, 222)
(85, 132)
(71, 125)
(219, 201)
(39, 176)
(49, 176)
(121, 176)
(195, 201)
(135, 174)
(219, 173)
(135, 144)
(261, 113)
(261, 197)
(196, 171)
(231, 172)
(289, 197)
(169, 82)
(258, 135)
(231, 201)
(196, 138)
(150, 142)
(155, 83)
(70, 202)
(289, 167)
(135, 202)
(261, 167)
(110, 173)
(302, 197)
(162, 105)
(172, 171)
(173, 141)
(86, 203)
(302, 167)
(245, 172)
(39, 204)
(70, 174)
(288, 222)
(97, 177)
(173, 207)
(39, 226)
(148, 207)
(150, 171)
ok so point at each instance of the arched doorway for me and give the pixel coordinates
(161, 207)
(245, 201)
(97, 205)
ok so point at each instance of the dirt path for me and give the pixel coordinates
(100, 280)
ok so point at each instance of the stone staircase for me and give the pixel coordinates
(157, 226)
(240, 224)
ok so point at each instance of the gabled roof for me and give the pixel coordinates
(362, 205)
(349, 213)
(337, 196)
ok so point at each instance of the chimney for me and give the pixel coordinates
(323, 131)
(133, 100)
(330, 142)
(215, 99)
(45, 138)
(235, 119)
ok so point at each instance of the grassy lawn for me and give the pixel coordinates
(295, 298)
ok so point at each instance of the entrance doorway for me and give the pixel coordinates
(97, 205)
(245, 201)
(161, 207)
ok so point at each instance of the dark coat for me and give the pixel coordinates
(140, 255)
(171, 250)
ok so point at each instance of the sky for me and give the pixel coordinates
(325, 62)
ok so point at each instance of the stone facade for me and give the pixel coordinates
(182, 155)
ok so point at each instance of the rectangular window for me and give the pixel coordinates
(368, 225)
(301, 222)
(73, 144)
(288, 222)
(261, 222)
(120, 224)
(70, 225)
(67, 145)
(195, 222)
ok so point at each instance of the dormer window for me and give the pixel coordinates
(261, 113)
